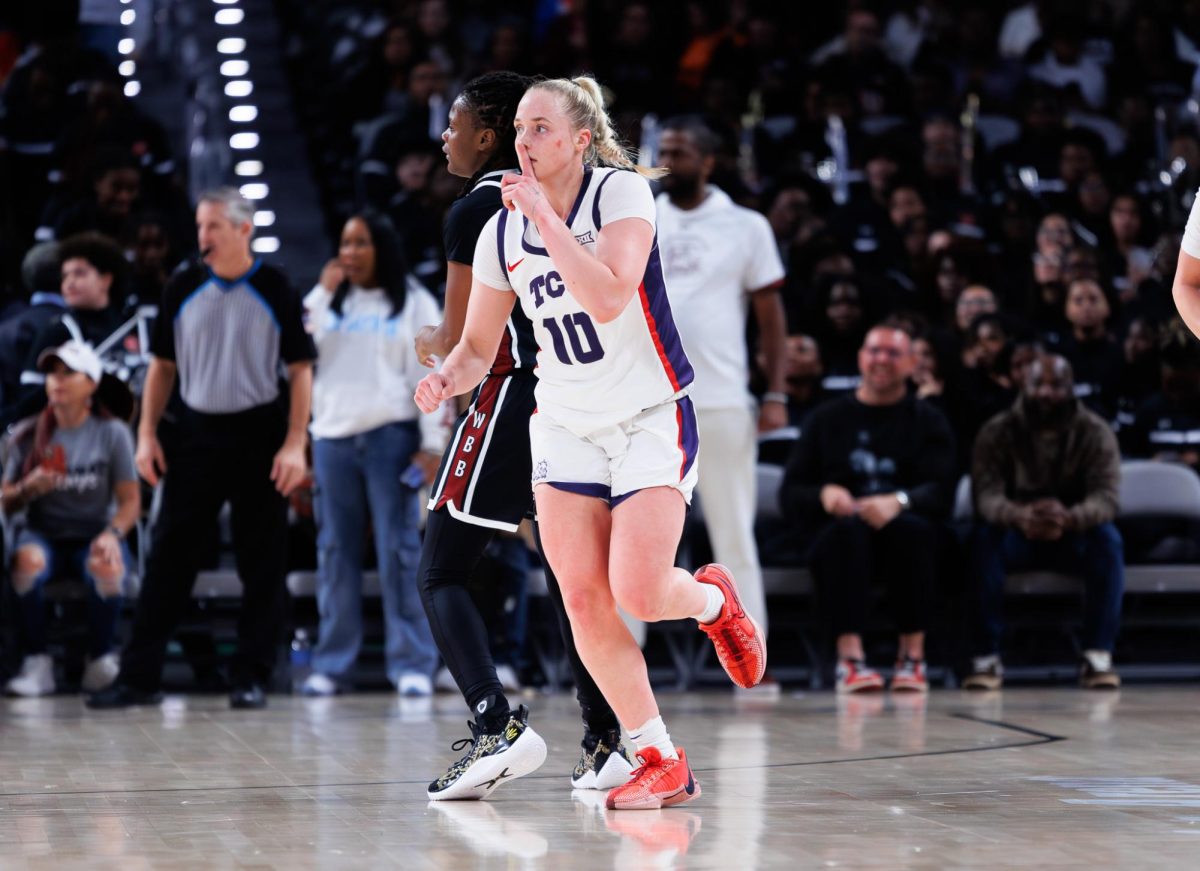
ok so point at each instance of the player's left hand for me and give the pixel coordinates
(522, 191)
(432, 391)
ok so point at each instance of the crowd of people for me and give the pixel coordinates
(935, 243)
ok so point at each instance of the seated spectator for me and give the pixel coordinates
(41, 275)
(1140, 376)
(1167, 425)
(105, 206)
(804, 371)
(154, 257)
(839, 331)
(869, 478)
(974, 301)
(93, 281)
(1130, 262)
(65, 472)
(1044, 479)
(367, 434)
(1095, 357)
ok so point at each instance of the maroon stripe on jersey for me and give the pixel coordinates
(504, 362)
(462, 463)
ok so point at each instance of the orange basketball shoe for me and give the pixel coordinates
(737, 638)
(658, 783)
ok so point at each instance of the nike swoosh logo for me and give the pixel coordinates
(513, 266)
(691, 785)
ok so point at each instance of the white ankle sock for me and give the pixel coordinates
(653, 733)
(712, 609)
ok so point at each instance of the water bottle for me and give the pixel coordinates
(301, 659)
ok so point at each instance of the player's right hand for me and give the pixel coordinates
(432, 391)
(424, 346)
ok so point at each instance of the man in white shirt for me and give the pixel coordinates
(719, 258)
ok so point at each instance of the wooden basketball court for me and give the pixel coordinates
(1032, 777)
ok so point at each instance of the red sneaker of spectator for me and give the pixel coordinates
(855, 676)
(735, 635)
(658, 783)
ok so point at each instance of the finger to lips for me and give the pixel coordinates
(524, 162)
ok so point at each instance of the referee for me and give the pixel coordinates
(224, 326)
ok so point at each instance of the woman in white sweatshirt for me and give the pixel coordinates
(372, 450)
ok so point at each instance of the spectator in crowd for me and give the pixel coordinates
(722, 261)
(93, 287)
(804, 373)
(839, 330)
(371, 449)
(225, 326)
(1130, 262)
(70, 477)
(870, 478)
(154, 257)
(1045, 479)
(105, 206)
(1095, 357)
(1140, 373)
(41, 274)
(1167, 425)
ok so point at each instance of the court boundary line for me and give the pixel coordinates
(1038, 738)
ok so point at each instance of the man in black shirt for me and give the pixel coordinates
(872, 473)
(224, 326)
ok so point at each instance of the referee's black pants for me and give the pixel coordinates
(218, 458)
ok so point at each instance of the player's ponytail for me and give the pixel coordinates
(583, 102)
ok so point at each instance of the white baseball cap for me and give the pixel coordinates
(76, 356)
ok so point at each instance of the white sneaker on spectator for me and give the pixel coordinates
(36, 677)
(317, 684)
(100, 673)
(443, 681)
(508, 678)
(415, 685)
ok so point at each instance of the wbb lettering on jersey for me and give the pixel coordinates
(552, 283)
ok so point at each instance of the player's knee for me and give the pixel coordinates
(584, 604)
(643, 602)
(28, 562)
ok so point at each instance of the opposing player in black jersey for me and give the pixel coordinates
(483, 484)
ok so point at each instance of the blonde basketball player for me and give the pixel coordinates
(614, 444)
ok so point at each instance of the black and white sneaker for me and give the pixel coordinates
(604, 763)
(493, 758)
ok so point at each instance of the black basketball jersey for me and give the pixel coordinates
(464, 221)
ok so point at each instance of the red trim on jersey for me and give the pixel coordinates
(504, 362)
(679, 427)
(455, 488)
(658, 345)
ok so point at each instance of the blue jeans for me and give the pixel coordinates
(68, 559)
(1097, 554)
(355, 475)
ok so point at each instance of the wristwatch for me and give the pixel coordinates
(118, 533)
(902, 498)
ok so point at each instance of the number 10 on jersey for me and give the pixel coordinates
(585, 348)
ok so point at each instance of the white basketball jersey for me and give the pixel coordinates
(590, 375)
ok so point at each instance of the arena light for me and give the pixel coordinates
(255, 191)
(234, 68)
(239, 88)
(133, 88)
(265, 244)
(221, 2)
(248, 167)
(128, 16)
(127, 68)
(231, 45)
(243, 141)
(125, 46)
(242, 114)
(229, 16)
(264, 218)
